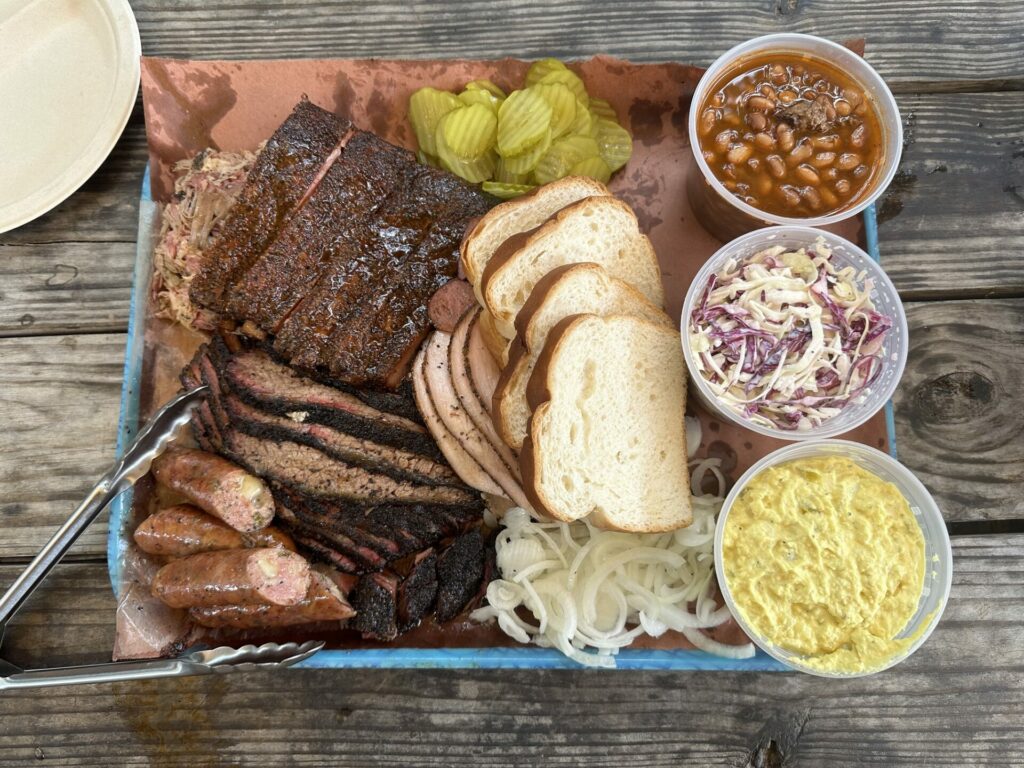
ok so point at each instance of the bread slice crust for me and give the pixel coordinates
(517, 215)
(609, 445)
(522, 260)
(598, 293)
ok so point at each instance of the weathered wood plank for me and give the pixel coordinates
(959, 408)
(57, 276)
(65, 287)
(958, 701)
(958, 412)
(58, 404)
(908, 40)
(952, 223)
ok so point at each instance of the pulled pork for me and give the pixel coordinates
(205, 187)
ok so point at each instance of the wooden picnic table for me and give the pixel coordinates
(952, 238)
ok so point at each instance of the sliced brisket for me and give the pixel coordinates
(285, 170)
(375, 602)
(254, 377)
(394, 462)
(460, 569)
(313, 473)
(417, 591)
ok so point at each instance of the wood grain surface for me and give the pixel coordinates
(951, 231)
(912, 42)
(912, 715)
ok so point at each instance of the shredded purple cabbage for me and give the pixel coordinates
(756, 354)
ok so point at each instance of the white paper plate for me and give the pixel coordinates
(69, 74)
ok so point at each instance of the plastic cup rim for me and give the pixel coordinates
(883, 284)
(924, 501)
(869, 72)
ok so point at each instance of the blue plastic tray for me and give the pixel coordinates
(525, 657)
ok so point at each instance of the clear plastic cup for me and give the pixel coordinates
(884, 296)
(938, 554)
(724, 215)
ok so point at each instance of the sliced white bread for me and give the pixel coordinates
(602, 230)
(568, 290)
(496, 344)
(607, 438)
(519, 215)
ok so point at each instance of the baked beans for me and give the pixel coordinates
(792, 136)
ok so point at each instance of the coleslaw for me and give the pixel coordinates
(785, 338)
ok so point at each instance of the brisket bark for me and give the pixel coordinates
(368, 311)
(282, 175)
(417, 591)
(335, 245)
(460, 569)
(375, 602)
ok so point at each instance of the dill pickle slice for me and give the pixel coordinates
(424, 159)
(594, 167)
(503, 174)
(527, 160)
(504, 190)
(541, 68)
(426, 108)
(468, 132)
(570, 80)
(584, 124)
(484, 98)
(564, 154)
(563, 106)
(474, 169)
(522, 120)
(486, 85)
(615, 144)
(601, 108)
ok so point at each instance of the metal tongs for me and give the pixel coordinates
(151, 441)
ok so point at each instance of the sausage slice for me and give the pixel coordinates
(184, 530)
(323, 602)
(233, 577)
(216, 486)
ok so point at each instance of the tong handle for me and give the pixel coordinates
(147, 445)
(111, 672)
(56, 547)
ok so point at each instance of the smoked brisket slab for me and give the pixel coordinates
(367, 314)
(335, 246)
(356, 188)
(284, 172)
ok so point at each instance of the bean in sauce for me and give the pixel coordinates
(791, 136)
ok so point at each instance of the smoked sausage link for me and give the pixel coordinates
(184, 530)
(216, 486)
(233, 577)
(323, 602)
